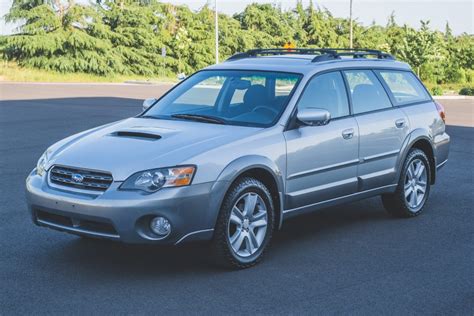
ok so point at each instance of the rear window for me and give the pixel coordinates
(404, 86)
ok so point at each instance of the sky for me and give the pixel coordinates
(459, 13)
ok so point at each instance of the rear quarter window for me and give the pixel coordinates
(404, 86)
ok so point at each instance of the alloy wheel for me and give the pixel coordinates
(415, 184)
(247, 224)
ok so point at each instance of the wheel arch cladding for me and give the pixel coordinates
(262, 169)
(424, 145)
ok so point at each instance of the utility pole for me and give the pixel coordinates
(217, 31)
(350, 24)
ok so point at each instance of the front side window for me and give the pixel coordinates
(246, 98)
(326, 91)
(367, 92)
(404, 86)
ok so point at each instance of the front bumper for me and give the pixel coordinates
(125, 215)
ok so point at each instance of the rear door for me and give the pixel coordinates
(322, 160)
(382, 127)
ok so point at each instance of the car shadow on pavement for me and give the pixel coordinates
(107, 257)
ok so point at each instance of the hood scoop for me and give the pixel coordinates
(137, 134)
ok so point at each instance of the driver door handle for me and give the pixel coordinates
(348, 133)
(400, 123)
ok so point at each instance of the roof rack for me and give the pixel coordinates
(323, 54)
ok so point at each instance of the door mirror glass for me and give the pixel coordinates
(148, 102)
(313, 116)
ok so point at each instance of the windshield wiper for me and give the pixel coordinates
(148, 116)
(200, 118)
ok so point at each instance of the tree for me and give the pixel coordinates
(417, 48)
(58, 36)
(128, 37)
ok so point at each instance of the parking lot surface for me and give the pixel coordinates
(351, 259)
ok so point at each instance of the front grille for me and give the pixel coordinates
(80, 178)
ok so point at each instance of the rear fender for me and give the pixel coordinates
(410, 140)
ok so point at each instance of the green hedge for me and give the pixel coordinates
(467, 91)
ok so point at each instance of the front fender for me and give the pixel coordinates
(240, 165)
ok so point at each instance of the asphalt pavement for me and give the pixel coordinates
(350, 259)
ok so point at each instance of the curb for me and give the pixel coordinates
(452, 97)
(126, 83)
(139, 82)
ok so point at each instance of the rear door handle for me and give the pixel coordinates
(348, 133)
(400, 123)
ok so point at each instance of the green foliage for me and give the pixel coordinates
(127, 37)
(436, 90)
(467, 91)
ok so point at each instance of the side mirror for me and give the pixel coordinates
(313, 116)
(148, 102)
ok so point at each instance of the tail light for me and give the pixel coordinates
(441, 111)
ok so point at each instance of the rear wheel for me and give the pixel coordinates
(245, 224)
(413, 187)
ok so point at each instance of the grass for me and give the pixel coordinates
(10, 71)
(447, 88)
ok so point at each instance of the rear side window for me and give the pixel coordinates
(404, 86)
(367, 92)
(326, 91)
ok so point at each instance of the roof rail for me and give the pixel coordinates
(337, 53)
(278, 51)
(323, 54)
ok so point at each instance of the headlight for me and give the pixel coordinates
(155, 179)
(42, 162)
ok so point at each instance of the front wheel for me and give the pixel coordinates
(413, 187)
(245, 224)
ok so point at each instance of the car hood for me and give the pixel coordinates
(137, 144)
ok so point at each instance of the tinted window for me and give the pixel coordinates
(284, 86)
(247, 98)
(194, 97)
(238, 96)
(404, 86)
(327, 92)
(366, 91)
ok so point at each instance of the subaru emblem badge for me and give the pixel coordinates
(77, 178)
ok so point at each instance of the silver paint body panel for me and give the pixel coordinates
(312, 166)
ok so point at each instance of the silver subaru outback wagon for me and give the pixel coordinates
(234, 150)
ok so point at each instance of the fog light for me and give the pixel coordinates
(160, 226)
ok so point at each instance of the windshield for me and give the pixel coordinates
(247, 98)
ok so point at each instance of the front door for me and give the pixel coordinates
(322, 160)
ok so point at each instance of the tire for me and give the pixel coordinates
(402, 203)
(241, 239)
